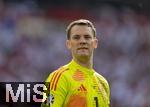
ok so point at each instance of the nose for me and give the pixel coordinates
(82, 40)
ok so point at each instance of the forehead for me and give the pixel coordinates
(81, 30)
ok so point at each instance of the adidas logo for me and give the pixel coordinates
(82, 88)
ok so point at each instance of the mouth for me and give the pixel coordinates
(82, 48)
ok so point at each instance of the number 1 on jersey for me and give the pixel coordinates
(96, 101)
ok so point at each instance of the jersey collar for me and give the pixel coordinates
(82, 68)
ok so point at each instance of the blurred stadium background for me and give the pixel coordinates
(32, 42)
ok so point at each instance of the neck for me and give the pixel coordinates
(88, 63)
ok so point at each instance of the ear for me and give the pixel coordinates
(95, 43)
(68, 44)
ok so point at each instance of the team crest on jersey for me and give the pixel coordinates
(78, 75)
(102, 90)
(99, 88)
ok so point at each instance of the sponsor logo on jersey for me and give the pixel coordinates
(82, 88)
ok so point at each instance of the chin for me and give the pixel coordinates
(83, 56)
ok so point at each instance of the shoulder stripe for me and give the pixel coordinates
(58, 79)
(55, 78)
(51, 81)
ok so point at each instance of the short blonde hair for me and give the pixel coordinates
(80, 22)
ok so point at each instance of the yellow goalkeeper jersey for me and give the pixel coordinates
(73, 85)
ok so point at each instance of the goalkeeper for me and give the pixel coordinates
(77, 84)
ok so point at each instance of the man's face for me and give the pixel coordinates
(82, 41)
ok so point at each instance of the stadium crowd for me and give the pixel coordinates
(32, 44)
